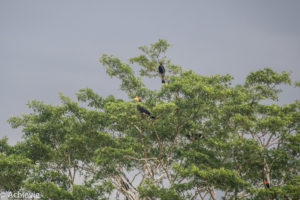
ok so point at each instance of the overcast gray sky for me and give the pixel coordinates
(47, 47)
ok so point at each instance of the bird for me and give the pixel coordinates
(162, 71)
(141, 109)
(267, 184)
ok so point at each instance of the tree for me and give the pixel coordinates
(207, 136)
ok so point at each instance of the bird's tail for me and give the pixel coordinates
(163, 78)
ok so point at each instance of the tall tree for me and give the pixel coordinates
(206, 136)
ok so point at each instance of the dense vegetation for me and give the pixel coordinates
(207, 137)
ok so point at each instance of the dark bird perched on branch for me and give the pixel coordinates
(162, 71)
(267, 184)
(143, 110)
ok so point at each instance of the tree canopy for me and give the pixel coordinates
(208, 137)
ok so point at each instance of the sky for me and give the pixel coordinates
(47, 47)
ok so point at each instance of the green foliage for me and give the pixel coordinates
(263, 83)
(207, 136)
(14, 170)
(153, 192)
(4, 147)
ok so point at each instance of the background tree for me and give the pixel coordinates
(207, 136)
